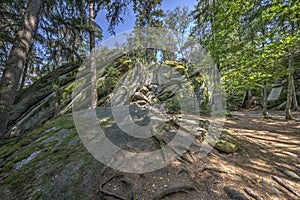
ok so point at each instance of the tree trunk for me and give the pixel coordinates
(94, 94)
(16, 60)
(296, 107)
(247, 100)
(265, 99)
(26, 65)
(288, 113)
(24, 76)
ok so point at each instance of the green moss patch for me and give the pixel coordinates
(226, 143)
(227, 146)
(49, 163)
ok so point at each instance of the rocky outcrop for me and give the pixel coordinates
(39, 102)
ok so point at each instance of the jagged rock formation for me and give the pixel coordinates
(40, 102)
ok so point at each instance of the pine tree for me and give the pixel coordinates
(16, 60)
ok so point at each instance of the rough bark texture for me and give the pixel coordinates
(94, 98)
(288, 113)
(296, 107)
(247, 100)
(265, 101)
(16, 60)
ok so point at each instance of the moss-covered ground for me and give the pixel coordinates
(58, 169)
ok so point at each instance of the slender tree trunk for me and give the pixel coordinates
(265, 100)
(296, 107)
(16, 60)
(247, 100)
(94, 94)
(291, 94)
(288, 113)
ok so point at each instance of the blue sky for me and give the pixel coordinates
(130, 18)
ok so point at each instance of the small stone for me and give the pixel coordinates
(27, 160)
(264, 181)
(51, 129)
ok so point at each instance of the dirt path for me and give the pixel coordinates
(271, 154)
(267, 167)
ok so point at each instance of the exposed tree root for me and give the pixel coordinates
(234, 194)
(162, 143)
(181, 158)
(253, 194)
(285, 185)
(114, 195)
(208, 187)
(111, 194)
(217, 169)
(173, 190)
(289, 174)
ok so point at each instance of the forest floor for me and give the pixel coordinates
(267, 167)
(270, 158)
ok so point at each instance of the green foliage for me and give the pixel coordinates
(11, 15)
(198, 86)
(105, 86)
(173, 105)
(249, 40)
(148, 13)
(115, 10)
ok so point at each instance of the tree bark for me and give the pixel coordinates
(296, 107)
(247, 100)
(26, 65)
(94, 94)
(16, 60)
(288, 113)
(24, 76)
(265, 101)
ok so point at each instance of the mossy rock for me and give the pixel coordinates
(227, 147)
(225, 144)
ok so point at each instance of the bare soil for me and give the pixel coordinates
(267, 167)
